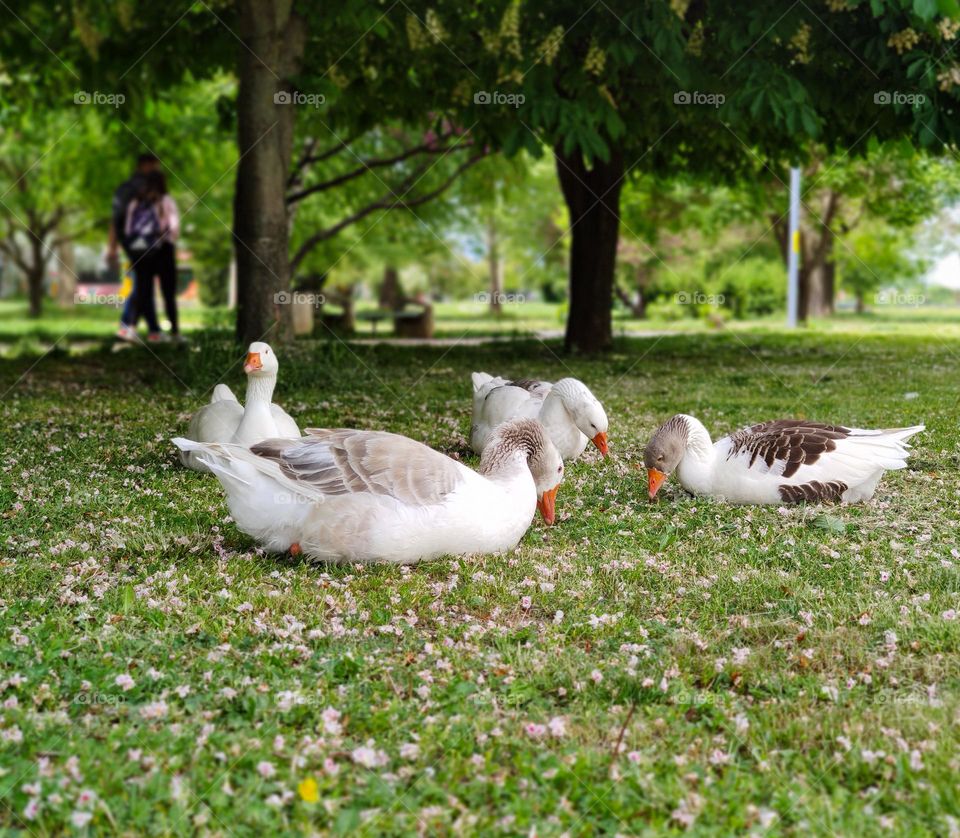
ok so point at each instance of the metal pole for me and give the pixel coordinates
(793, 251)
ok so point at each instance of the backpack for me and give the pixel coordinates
(144, 227)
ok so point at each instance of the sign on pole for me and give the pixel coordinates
(793, 250)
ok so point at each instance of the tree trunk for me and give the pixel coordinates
(35, 290)
(817, 278)
(817, 269)
(273, 42)
(861, 305)
(496, 268)
(637, 305)
(391, 295)
(593, 200)
(830, 284)
(36, 274)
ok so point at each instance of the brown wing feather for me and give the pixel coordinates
(794, 442)
(529, 384)
(813, 491)
(343, 461)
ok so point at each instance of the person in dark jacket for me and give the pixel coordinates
(117, 240)
(151, 229)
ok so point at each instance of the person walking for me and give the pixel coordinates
(116, 239)
(150, 231)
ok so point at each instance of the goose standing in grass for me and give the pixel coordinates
(225, 420)
(369, 496)
(783, 461)
(572, 415)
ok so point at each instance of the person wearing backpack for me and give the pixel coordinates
(151, 229)
(126, 192)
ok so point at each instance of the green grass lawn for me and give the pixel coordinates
(636, 669)
(77, 326)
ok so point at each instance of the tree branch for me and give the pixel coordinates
(386, 203)
(373, 163)
(309, 145)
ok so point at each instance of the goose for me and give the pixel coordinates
(568, 410)
(782, 461)
(225, 420)
(369, 496)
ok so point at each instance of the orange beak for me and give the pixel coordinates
(547, 505)
(253, 362)
(656, 479)
(600, 440)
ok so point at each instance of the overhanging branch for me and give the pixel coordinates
(393, 201)
(373, 163)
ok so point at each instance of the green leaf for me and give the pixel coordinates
(348, 821)
(926, 9)
(129, 599)
(829, 523)
(917, 67)
(809, 120)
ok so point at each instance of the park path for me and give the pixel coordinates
(480, 340)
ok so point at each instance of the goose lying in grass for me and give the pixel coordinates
(784, 461)
(368, 496)
(568, 410)
(225, 420)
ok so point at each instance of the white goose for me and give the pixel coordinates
(568, 410)
(783, 461)
(225, 420)
(369, 496)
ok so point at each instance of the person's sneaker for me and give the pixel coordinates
(128, 334)
(158, 337)
(179, 339)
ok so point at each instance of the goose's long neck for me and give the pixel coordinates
(504, 462)
(695, 471)
(257, 422)
(260, 388)
(560, 426)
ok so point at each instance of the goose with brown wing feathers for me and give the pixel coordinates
(783, 461)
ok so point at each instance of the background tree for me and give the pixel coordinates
(51, 163)
(876, 258)
(612, 91)
(890, 183)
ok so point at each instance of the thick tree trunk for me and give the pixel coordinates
(830, 284)
(496, 268)
(593, 200)
(35, 290)
(391, 295)
(36, 274)
(861, 305)
(817, 279)
(273, 42)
